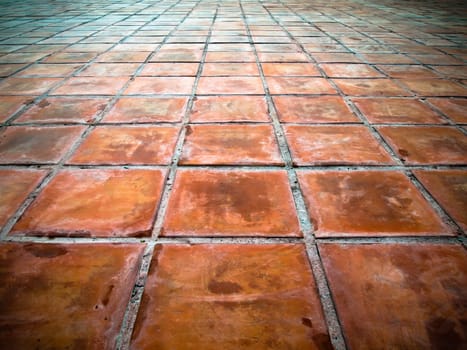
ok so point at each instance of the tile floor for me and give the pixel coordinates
(207, 174)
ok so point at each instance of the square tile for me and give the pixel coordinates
(339, 70)
(230, 57)
(160, 85)
(70, 57)
(230, 144)
(49, 70)
(322, 144)
(449, 187)
(64, 110)
(434, 87)
(170, 69)
(232, 68)
(122, 56)
(230, 85)
(290, 69)
(177, 56)
(127, 145)
(398, 296)
(147, 110)
(368, 203)
(397, 110)
(31, 144)
(231, 203)
(27, 86)
(370, 87)
(322, 109)
(454, 108)
(64, 296)
(91, 86)
(109, 69)
(406, 71)
(230, 296)
(427, 144)
(299, 85)
(282, 57)
(9, 105)
(15, 186)
(95, 203)
(8, 69)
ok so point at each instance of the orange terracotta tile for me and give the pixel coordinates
(64, 110)
(434, 87)
(385, 58)
(282, 57)
(427, 145)
(127, 145)
(408, 71)
(323, 109)
(230, 297)
(336, 57)
(91, 86)
(229, 109)
(367, 203)
(170, 69)
(15, 186)
(397, 110)
(26, 86)
(232, 68)
(454, 108)
(96, 203)
(231, 203)
(177, 56)
(290, 69)
(109, 69)
(7, 69)
(122, 56)
(48, 70)
(10, 105)
(370, 87)
(230, 144)
(160, 85)
(230, 57)
(230, 85)
(29, 144)
(399, 296)
(70, 57)
(321, 144)
(142, 110)
(350, 70)
(63, 296)
(449, 187)
(299, 85)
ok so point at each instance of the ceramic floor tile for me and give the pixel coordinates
(160, 85)
(434, 87)
(109, 69)
(370, 87)
(290, 69)
(91, 86)
(299, 85)
(11, 104)
(170, 69)
(229, 69)
(340, 70)
(27, 86)
(230, 85)
(454, 108)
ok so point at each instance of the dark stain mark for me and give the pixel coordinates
(224, 287)
(101, 107)
(322, 341)
(307, 322)
(442, 334)
(189, 130)
(403, 152)
(45, 250)
(44, 103)
(106, 298)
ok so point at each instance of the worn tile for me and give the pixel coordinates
(64, 296)
(449, 188)
(434, 87)
(427, 144)
(232, 297)
(399, 296)
(231, 203)
(122, 56)
(9, 105)
(290, 69)
(31, 144)
(147, 110)
(109, 69)
(127, 145)
(70, 57)
(230, 85)
(370, 87)
(227, 69)
(177, 55)
(229, 144)
(406, 71)
(8, 69)
(322, 144)
(397, 110)
(160, 85)
(95, 203)
(27, 86)
(340, 70)
(91, 86)
(170, 69)
(64, 110)
(322, 109)
(367, 203)
(282, 57)
(48, 70)
(454, 108)
(213, 56)
(299, 85)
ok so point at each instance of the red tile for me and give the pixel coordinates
(15, 186)
(231, 203)
(91, 86)
(160, 85)
(367, 203)
(449, 187)
(109, 69)
(336, 57)
(29, 144)
(142, 110)
(122, 56)
(290, 69)
(177, 56)
(10, 105)
(322, 144)
(7, 69)
(229, 144)
(385, 58)
(70, 57)
(226, 69)
(323, 109)
(230, 85)
(26, 86)
(64, 110)
(406, 71)
(230, 297)
(370, 87)
(454, 108)
(170, 69)
(230, 57)
(63, 296)
(453, 72)
(427, 145)
(95, 203)
(48, 70)
(282, 57)
(434, 87)
(299, 85)
(350, 70)
(397, 110)
(127, 145)
(398, 296)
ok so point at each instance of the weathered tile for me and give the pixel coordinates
(230, 85)
(401, 296)
(109, 69)
(96, 203)
(70, 57)
(170, 69)
(229, 69)
(26, 86)
(290, 69)
(91, 86)
(370, 87)
(230, 57)
(10, 105)
(160, 85)
(340, 70)
(434, 87)
(454, 108)
(231, 203)
(64, 296)
(122, 56)
(299, 85)
(7, 69)
(48, 70)
(427, 144)
(231, 297)
(367, 203)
